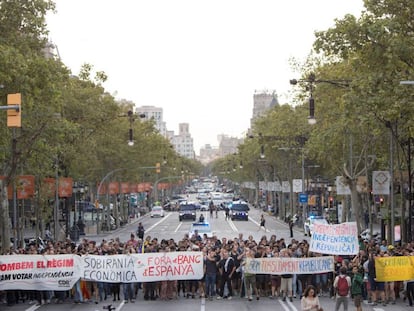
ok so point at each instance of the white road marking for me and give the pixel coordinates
(232, 225)
(283, 304)
(203, 304)
(378, 309)
(291, 305)
(157, 223)
(178, 227)
(33, 307)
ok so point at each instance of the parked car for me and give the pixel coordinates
(202, 228)
(310, 221)
(239, 210)
(157, 211)
(187, 211)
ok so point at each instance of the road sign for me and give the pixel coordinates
(303, 198)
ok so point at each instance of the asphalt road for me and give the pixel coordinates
(170, 227)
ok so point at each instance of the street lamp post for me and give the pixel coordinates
(159, 180)
(75, 230)
(101, 183)
(131, 119)
(302, 172)
(311, 80)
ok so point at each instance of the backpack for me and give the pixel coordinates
(343, 286)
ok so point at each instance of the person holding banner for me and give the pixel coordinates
(226, 268)
(286, 283)
(250, 278)
(377, 288)
(310, 301)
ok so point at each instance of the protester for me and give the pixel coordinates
(223, 254)
(356, 287)
(227, 268)
(310, 301)
(342, 285)
(262, 223)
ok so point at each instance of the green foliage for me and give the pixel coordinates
(66, 119)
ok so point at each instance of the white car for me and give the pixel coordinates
(202, 228)
(204, 206)
(157, 211)
(308, 225)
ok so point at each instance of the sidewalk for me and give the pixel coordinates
(112, 232)
(31, 233)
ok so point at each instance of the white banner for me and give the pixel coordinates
(297, 185)
(43, 272)
(278, 265)
(381, 182)
(146, 267)
(341, 239)
(275, 186)
(285, 186)
(60, 272)
(341, 187)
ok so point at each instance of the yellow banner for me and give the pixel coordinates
(397, 268)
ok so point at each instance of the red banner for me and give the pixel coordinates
(113, 188)
(163, 186)
(65, 187)
(147, 186)
(134, 188)
(103, 189)
(25, 187)
(141, 187)
(124, 187)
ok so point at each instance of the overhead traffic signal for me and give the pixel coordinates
(158, 167)
(14, 115)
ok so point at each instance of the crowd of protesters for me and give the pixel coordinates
(224, 275)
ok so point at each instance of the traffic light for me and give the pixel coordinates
(331, 202)
(158, 167)
(14, 115)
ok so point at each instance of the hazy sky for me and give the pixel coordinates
(201, 61)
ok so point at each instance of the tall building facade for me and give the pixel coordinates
(262, 102)
(183, 142)
(228, 145)
(208, 154)
(156, 114)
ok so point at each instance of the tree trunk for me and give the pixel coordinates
(4, 218)
(355, 204)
